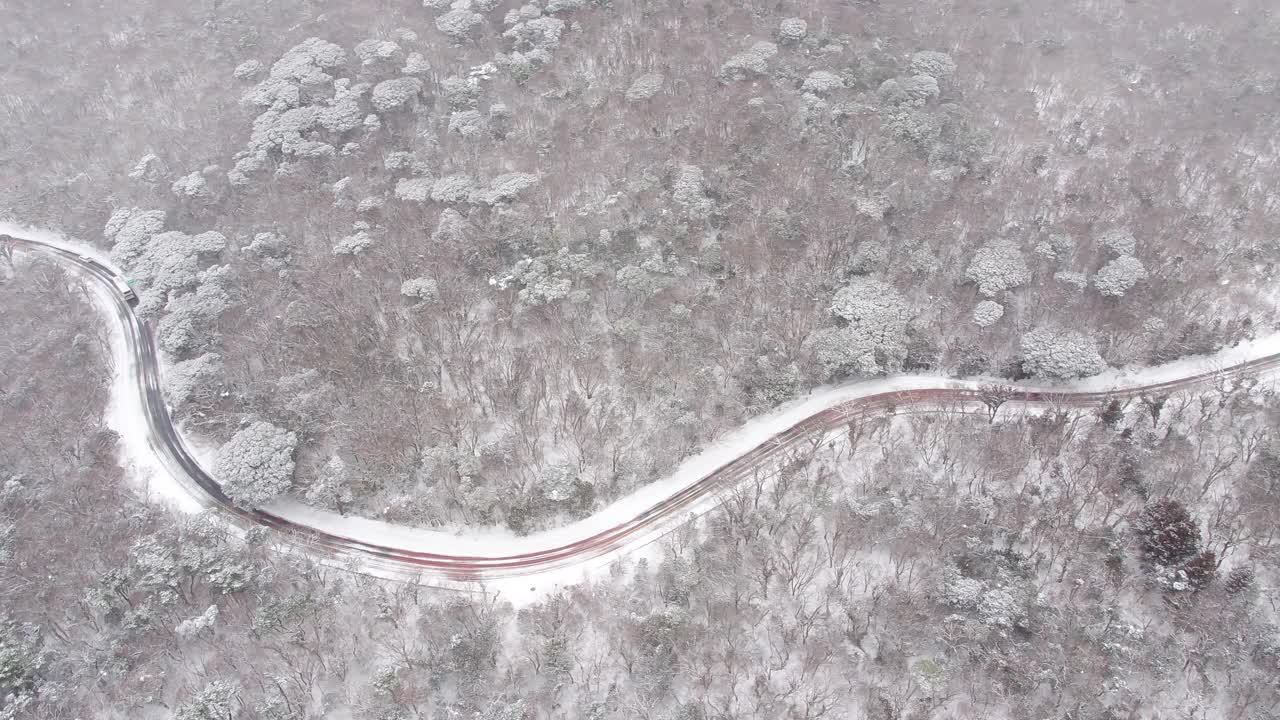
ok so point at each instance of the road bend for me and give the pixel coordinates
(646, 525)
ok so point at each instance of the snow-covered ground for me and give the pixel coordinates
(58, 240)
(127, 418)
(124, 414)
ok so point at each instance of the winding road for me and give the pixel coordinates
(596, 542)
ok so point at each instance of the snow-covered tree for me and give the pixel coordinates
(791, 31)
(1168, 533)
(1060, 354)
(461, 93)
(872, 336)
(905, 93)
(687, 190)
(186, 378)
(170, 261)
(185, 325)
(192, 187)
(198, 625)
(560, 6)
(130, 230)
(645, 87)
(416, 64)
(414, 189)
(1077, 280)
(541, 33)
(997, 267)
(547, 278)
(641, 281)
(935, 64)
(749, 63)
(987, 313)
(395, 93)
(822, 82)
(256, 465)
(353, 244)
(20, 664)
(450, 228)
(556, 483)
(1118, 276)
(300, 71)
(248, 70)
(271, 248)
(1119, 241)
(453, 189)
(469, 123)
(154, 570)
(421, 289)
(506, 188)
(919, 89)
(213, 702)
(873, 304)
(374, 51)
(459, 24)
(150, 168)
(332, 489)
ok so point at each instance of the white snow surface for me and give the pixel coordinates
(127, 418)
(125, 415)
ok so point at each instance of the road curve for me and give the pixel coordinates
(643, 527)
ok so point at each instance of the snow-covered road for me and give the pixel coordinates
(174, 474)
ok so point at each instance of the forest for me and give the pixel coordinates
(487, 265)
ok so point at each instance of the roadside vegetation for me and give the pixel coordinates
(494, 263)
(503, 264)
(1084, 564)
